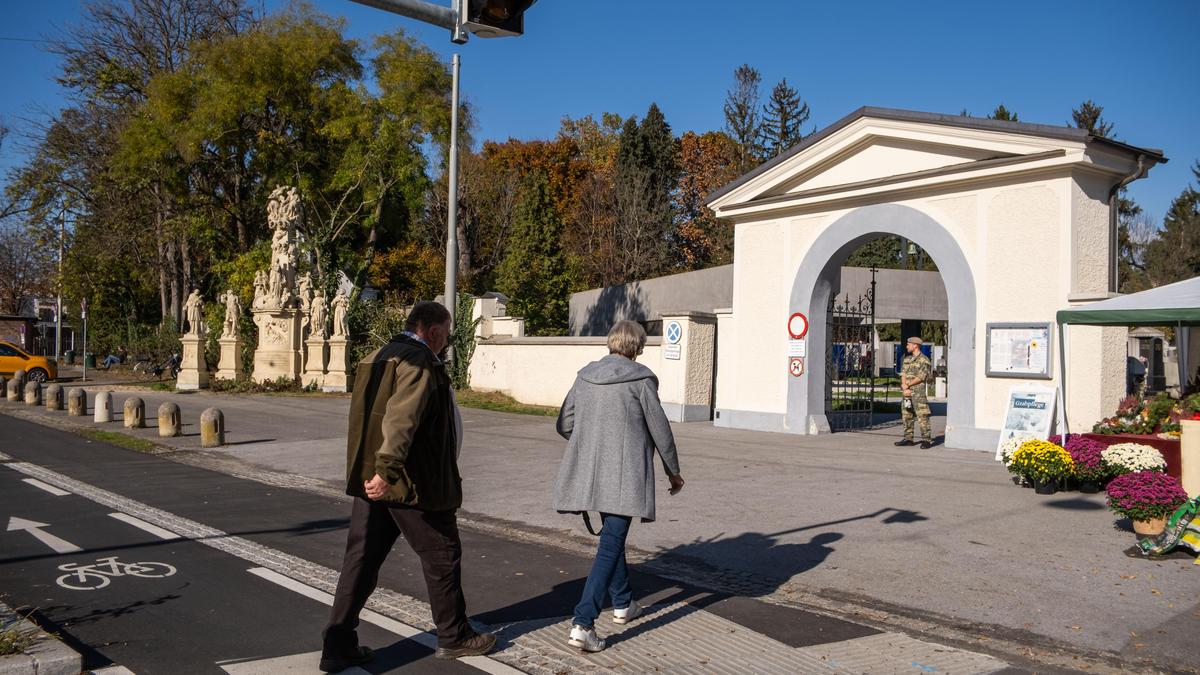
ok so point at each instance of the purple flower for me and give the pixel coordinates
(1086, 453)
(1143, 495)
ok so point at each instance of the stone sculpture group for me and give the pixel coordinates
(294, 339)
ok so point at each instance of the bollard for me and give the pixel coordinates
(212, 428)
(16, 385)
(103, 408)
(33, 393)
(3, 387)
(135, 413)
(169, 421)
(54, 397)
(76, 402)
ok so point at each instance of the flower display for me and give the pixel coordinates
(1009, 447)
(1042, 461)
(1088, 457)
(1145, 495)
(1124, 458)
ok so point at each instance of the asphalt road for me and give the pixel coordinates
(155, 602)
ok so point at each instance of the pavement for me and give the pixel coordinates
(935, 545)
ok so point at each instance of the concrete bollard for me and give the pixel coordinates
(76, 402)
(169, 421)
(16, 386)
(103, 404)
(54, 397)
(33, 393)
(212, 428)
(135, 413)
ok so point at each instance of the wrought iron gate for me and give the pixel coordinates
(850, 361)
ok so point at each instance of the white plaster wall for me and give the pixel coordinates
(1090, 242)
(762, 283)
(888, 157)
(727, 380)
(540, 371)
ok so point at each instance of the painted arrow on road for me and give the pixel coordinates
(33, 527)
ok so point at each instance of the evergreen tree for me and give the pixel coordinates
(742, 121)
(1002, 113)
(647, 173)
(1087, 116)
(1175, 254)
(783, 117)
(534, 273)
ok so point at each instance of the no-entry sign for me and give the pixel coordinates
(797, 325)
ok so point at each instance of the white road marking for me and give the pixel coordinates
(424, 638)
(155, 530)
(113, 670)
(57, 544)
(302, 664)
(57, 492)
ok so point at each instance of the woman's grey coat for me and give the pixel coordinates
(613, 421)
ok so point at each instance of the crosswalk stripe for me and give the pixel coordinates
(424, 638)
(57, 492)
(155, 530)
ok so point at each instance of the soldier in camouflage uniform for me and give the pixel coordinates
(914, 373)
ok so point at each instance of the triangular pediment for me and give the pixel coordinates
(880, 147)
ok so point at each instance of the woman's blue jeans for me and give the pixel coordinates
(609, 573)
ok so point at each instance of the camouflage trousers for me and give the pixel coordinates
(920, 410)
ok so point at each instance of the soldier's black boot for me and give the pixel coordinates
(904, 442)
(926, 444)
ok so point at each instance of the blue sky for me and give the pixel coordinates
(1040, 59)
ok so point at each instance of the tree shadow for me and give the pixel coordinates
(613, 304)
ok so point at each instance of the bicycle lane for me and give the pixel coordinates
(182, 608)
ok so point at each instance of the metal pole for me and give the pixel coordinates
(428, 12)
(62, 237)
(452, 205)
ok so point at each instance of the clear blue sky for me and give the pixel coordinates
(1138, 60)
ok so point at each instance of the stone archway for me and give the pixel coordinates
(818, 275)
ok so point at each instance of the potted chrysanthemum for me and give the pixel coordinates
(1045, 463)
(1146, 498)
(1089, 463)
(1124, 458)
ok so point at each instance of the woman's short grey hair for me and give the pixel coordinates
(627, 339)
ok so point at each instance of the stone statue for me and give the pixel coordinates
(193, 314)
(341, 319)
(305, 293)
(318, 314)
(260, 289)
(233, 314)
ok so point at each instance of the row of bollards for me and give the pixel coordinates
(170, 417)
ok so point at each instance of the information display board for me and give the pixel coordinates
(1021, 350)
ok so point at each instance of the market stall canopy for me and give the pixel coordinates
(1171, 305)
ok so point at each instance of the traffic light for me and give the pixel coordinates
(494, 18)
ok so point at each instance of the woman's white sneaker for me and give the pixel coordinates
(633, 611)
(585, 639)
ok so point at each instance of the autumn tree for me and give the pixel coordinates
(708, 161)
(782, 119)
(742, 118)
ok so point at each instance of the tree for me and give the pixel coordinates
(1175, 254)
(26, 271)
(534, 273)
(1002, 113)
(647, 170)
(783, 117)
(1087, 116)
(708, 162)
(742, 121)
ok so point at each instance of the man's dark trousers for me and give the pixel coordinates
(433, 535)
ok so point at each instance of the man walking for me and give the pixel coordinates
(914, 373)
(402, 470)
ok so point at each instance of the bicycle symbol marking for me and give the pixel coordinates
(99, 574)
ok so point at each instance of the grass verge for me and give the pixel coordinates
(119, 439)
(491, 400)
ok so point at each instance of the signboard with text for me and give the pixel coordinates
(1019, 350)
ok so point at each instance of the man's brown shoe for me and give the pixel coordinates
(476, 645)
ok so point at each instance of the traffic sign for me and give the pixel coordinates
(797, 325)
(674, 332)
(796, 366)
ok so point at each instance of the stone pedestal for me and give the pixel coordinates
(278, 354)
(337, 376)
(314, 362)
(1189, 456)
(193, 372)
(685, 369)
(231, 358)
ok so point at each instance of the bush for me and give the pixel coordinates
(372, 324)
(1042, 461)
(248, 386)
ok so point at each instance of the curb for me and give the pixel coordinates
(46, 656)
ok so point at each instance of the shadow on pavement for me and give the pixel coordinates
(1075, 504)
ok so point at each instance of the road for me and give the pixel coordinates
(161, 567)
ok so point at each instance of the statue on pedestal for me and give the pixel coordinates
(193, 315)
(318, 314)
(233, 314)
(341, 312)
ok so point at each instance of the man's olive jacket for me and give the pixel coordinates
(402, 428)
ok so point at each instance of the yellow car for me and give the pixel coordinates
(37, 368)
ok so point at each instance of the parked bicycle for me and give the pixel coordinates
(147, 367)
(99, 574)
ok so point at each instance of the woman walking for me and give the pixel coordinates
(613, 422)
